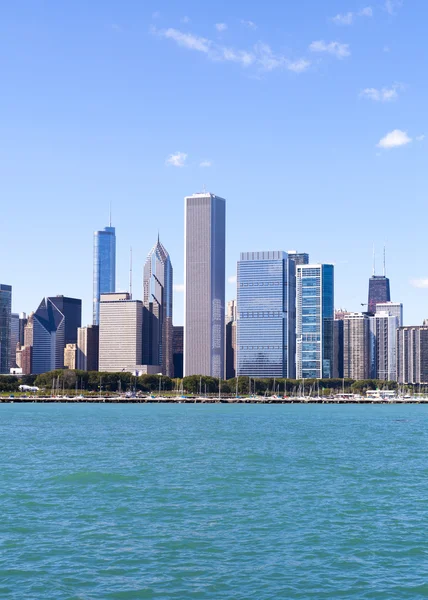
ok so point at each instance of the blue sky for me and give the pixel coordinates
(308, 117)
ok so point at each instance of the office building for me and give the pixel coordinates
(266, 294)
(314, 320)
(5, 326)
(121, 328)
(383, 346)
(395, 309)
(177, 349)
(337, 348)
(14, 338)
(26, 360)
(28, 331)
(88, 348)
(379, 291)
(104, 275)
(71, 308)
(70, 355)
(48, 334)
(230, 341)
(356, 346)
(22, 323)
(412, 355)
(300, 258)
(204, 275)
(157, 310)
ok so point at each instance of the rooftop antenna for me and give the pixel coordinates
(130, 272)
(384, 261)
(374, 261)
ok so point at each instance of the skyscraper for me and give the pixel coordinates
(266, 295)
(394, 309)
(121, 329)
(157, 311)
(177, 349)
(300, 258)
(356, 345)
(48, 338)
(204, 276)
(71, 308)
(230, 340)
(379, 290)
(88, 348)
(5, 317)
(14, 338)
(383, 346)
(104, 278)
(314, 320)
(412, 354)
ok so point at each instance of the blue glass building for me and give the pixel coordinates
(104, 267)
(314, 321)
(266, 315)
(5, 322)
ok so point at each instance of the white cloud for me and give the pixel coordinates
(187, 40)
(116, 27)
(335, 48)
(394, 139)
(366, 12)
(420, 138)
(383, 94)
(249, 24)
(419, 283)
(176, 160)
(261, 55)
(221, 27)
(178, 287)
(206, 163)
(345, 19)
(185, 19)
(231, 279)
(391, 6)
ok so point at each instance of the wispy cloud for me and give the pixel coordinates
(206, 163)
(178, 159)
(156, 15)
(335, 48)
(260, 56)
(419, 283)
(185, 19)
(382, 94)
(394, 139)
(420, 138)
(249, 24)
(231, 279)
(116, 27)
(221, 27)
(178, 287)
(391, 6)
(349, 17)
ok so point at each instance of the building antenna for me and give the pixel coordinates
(384, 261)
(374, 261)
(130, 272)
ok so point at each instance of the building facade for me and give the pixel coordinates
(157, 310)
(121, 329)
(356, 346)
(204, 276)
(383, 346)
(379, 291)
(412, 355)
(14, 338)
(314, 320)
(300, 258)
(266, 296)
(230, 340)
(48, 333)
(104, 275)
(178, 349)
(71, 308)
(5, 326)
(88, 348)
(70, 356)
(395, 309)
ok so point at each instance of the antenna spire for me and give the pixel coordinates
(130, 272)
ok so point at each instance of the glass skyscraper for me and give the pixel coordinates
(266, 294)
(314, 316)
(157, 311)
(5, 328)
(204, 277)
(379, 291)
(104, 278)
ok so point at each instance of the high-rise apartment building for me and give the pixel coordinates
(356, 346)
(204, 275)
(157, 310)
(314, 320)
(104, 277)
(383, 346)
(412, 355)
(266, 295)
(230, 341)
(395, 309)
(121, 328)
(14, 338)
(88, 348)
(177, 349)
(70, 356)
(5, 318)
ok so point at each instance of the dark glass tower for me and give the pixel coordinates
(5, 319)
(71, 308)
(378, 291)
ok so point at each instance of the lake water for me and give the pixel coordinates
(212, 502)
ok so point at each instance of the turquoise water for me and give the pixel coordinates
(213, 502)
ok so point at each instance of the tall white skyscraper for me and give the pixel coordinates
(204, 277)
